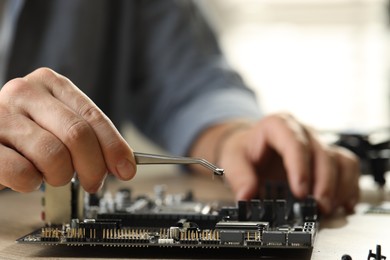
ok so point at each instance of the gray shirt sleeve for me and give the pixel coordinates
(183, 83)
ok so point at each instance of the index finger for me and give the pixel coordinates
(117, 153)
(288, 138)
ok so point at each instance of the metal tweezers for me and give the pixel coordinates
(146, 158)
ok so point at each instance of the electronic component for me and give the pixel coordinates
(177, 221)
(374, 156)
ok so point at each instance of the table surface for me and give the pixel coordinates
(340, 234)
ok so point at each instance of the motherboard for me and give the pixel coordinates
(177, 222)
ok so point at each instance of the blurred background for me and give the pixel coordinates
(325, 61)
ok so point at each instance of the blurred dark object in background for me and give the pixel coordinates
(374, 156)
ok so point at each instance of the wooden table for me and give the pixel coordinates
(353, 234)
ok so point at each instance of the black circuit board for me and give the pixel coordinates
(231, 235)
(178, 222)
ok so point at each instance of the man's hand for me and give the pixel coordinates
(50, 129)
(279, 147)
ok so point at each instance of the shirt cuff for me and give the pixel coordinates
(216, 107)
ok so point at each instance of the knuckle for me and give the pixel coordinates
(282, 118)
(26, 179)
(348, 159)
(303, 144)
(44, 72)
(53, 161)
(50, 78)
(92, 114)
(15, 87)
(285, 116)
(286, 121)
(274, 118)
(328, 153)
(117, 145)
(77, 131)
(345, 153)
(55, 158)
(351, 158)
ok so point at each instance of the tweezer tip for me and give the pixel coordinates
(219, 171)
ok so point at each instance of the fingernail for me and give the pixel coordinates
(326, 205)
(102, 182)
(301, 189)
(304, 188)
(243, 194)
(240, 195)
(38, 185)
(125, 169)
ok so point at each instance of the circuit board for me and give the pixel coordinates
(178, 222)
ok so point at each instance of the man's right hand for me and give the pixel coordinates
(49, 129)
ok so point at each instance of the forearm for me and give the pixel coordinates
(188, 88)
